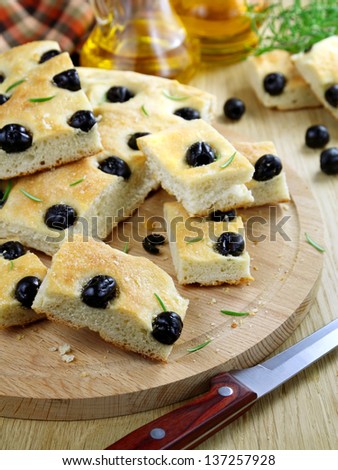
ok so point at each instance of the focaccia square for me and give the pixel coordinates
(46, 119)
(296, 94)
(204, 251)
(199, 166)
(93, 285)
(319, 67)
(268, 184)
(21, 275)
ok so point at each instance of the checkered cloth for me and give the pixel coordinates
(66, 22)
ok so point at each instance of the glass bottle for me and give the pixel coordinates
(146, 36)
(222, 26)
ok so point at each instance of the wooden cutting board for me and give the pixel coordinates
(103, 381)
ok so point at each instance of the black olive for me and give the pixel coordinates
(167, 327)
(230, 243)
(12, 250)
(266, 167)
(189, 114)
(15, 138)
(119, 94)
(83, 120)
(69, 80)
(331, 96)
(329, 161)
(274, 83)
(199, 154)
(234, 108)
(220, 216)
(48, 55)
(132, 143)
(3, 99)
(115, 166)
(2, 78)
(26, 290)
(99, 291)
(317, 137)
(60, 217)
(151, 241)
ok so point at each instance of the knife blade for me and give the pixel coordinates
(230, 395)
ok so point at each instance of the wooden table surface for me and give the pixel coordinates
(302, 413)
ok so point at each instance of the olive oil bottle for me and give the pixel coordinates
(146, 36)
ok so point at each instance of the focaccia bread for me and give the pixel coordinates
(46, 119)
(199, 167)
(204, 251)
(116, 89)
(268, 184)
(21, 275)
(296, 93)
(319, 67)
(89, 196)
(93, 285)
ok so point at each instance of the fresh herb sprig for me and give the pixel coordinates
(30, 196)
(174, 98)
(75, 183)
(193, 240)
(313, 243)
(160, 301)
(41, 100)
(229, 161)
(8, 189)
(234, 314)
(199, 346)
(294, 28)
(15, 84)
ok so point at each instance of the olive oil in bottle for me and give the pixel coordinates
(146, 36)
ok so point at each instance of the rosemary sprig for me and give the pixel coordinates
(144, 111)
(41, 100)
(234, 314)
(193, 240)
(77, 182)
(296, 27)
(160, 301)
(30, 196)
(126, 247)
(11, 265)
(313, 243)
(15, 84)
(229, 161)
(7, 191)
(174, 98)
(199, 346)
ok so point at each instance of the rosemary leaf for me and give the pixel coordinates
(144, 111)
(41, 100)
(7, 191)
(160, 302)
(30, 196)
(77, 182)
(193, 240)
(15, 84)
(234, 314)
(174, 98)
(11, 265)
(229, 161)
(313, 243)
(126, 247)
(199, 346)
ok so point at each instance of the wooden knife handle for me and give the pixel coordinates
(191, 424)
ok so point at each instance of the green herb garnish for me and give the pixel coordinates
(11, 265)
(144, 111)
(313, 243)
(160, 302)
(234, 314)
(30, 196)
(7, 191)
(193, 240)
(126, 247)
(230, 160)
(199, 346)
(174, 98)
(294, 28)
(77, 182)
(41, 100)
(15, 84)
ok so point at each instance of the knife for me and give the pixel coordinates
(230, 395)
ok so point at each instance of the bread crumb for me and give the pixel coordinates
(255, 268)
(53, 349)
(84, 374)
(64, 349)
(226, 289)
(67, 357)
(19, 337)
(234, 324)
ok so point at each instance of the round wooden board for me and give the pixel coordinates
(103, 381)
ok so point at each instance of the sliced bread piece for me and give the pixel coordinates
(204, 251)
(22, 274)
(93, 285)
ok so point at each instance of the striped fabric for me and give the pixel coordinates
(66, 22)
